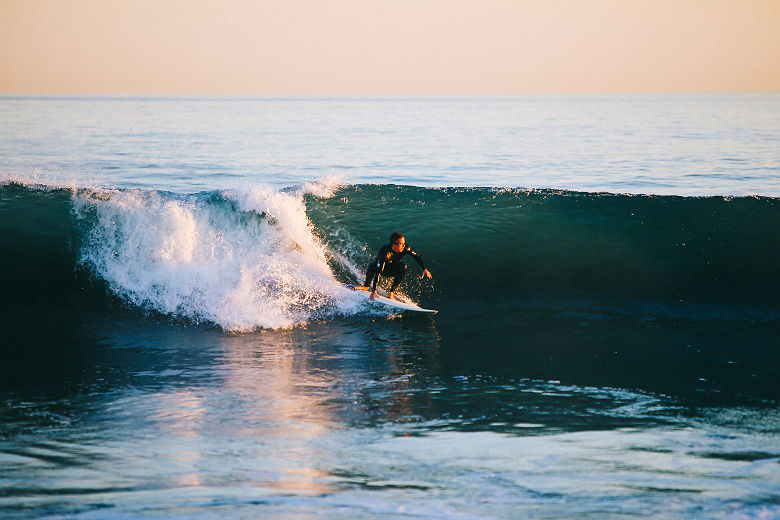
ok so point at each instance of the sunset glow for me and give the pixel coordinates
(365, 47)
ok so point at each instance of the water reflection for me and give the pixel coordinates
(363, 415)
(316, 378)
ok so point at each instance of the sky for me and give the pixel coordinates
(388, 47)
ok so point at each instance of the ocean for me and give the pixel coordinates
(177, 339)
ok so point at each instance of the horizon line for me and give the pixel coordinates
(365, 95)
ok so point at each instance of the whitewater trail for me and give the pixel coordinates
(242, 259)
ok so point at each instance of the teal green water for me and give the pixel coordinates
(176, 339)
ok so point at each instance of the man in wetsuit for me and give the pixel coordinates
(388, 263)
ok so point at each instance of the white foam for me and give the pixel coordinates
(323, 187)
(38, 179)
(241, 259)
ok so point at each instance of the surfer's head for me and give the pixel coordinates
(397, 242)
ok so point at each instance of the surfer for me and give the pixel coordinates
(388, 263)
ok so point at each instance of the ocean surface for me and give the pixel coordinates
(177, 339)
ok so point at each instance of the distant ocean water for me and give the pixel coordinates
(669, 145)
(178, 340)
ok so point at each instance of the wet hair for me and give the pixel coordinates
(395, 236)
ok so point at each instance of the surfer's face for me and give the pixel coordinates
(399, 245)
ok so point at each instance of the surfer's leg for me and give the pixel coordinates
(370, 274)
(398, 275)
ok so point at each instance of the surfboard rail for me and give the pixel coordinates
(388, 302)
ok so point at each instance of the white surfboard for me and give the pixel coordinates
(384, 300)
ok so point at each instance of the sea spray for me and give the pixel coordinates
(242, 259)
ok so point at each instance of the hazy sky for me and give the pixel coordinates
(342, 47)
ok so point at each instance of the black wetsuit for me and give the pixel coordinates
(388, 263)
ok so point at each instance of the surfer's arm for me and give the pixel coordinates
(419, 260)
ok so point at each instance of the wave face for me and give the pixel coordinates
(520, 243)
(260, 258)
(38, 244)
